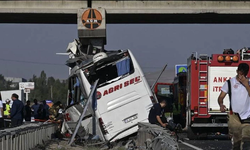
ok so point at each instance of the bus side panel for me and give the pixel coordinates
(137, 67)
(126, 116)
(124, 103)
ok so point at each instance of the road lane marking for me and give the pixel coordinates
(192, 146)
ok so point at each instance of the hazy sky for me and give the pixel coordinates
(28, 49)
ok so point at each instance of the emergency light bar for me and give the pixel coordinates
(227, 58)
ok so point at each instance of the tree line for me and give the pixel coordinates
(5, 85)
(46, 88)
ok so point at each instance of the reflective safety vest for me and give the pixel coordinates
(7, 111)
(176, 111)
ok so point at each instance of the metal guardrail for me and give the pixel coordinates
(26, 136)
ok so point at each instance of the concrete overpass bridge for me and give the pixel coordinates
(126, 11)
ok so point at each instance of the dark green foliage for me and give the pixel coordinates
(45, 88)
(5, 85)
(48, 89)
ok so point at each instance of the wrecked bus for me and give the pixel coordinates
(123, 95)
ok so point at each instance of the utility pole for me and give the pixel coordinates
(27, 97)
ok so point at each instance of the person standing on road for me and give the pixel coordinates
(239, 115)
(35, 108)
(1, 115)
(7, 113)
(156, 114)
(27, 110)
(45, 110)
(177, 112)
(7, 108)
(16, 112)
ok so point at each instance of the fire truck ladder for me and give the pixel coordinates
(203, 79)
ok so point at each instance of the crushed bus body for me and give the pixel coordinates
(123, 95)
(109, 101)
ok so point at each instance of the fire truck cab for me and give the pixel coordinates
(205, 77)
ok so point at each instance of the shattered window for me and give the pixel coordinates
(75, 93)
(110, 69)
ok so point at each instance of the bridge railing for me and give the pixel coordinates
(26, 136)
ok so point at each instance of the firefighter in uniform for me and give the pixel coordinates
(56, 112)
(177, 112)
(7, 113)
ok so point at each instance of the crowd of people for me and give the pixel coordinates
(18, 113)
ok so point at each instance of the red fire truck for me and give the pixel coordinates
(205, 77)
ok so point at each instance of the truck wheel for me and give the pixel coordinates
(191, 134)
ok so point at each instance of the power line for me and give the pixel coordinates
(30, 62)
(45, 63)
(149, 67)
